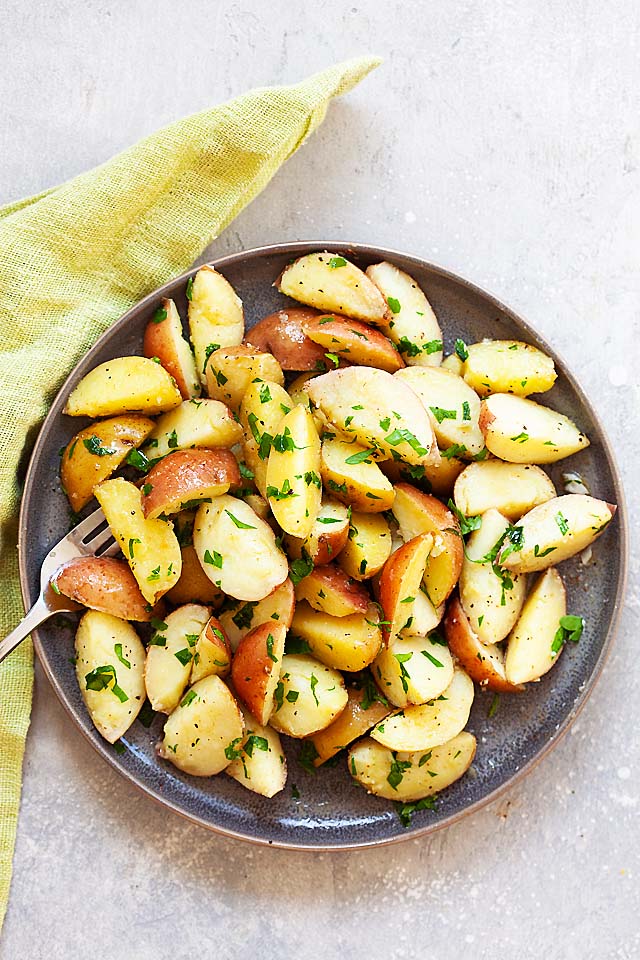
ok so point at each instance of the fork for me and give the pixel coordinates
(89, 538)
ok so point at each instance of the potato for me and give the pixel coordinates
(201, 734)
(104, 584)
(296, 389)
(424, 618)
(344, 643)
(368, 547)
(358, 482)
(163, 339)
(194, 585)
(327, 537)
(508, 366)
(187, 476)
(195, 423)
(530, 647)
(419, 513)
(123, 385)
(216, 318)
(263, 407)
(282, 334)
(377, 410)
(150, 547)
(238, 550)
(170, 655)
(294, 487)
(491, 598)
(407, 777)
(110, 669)
(412, 325)
(329, 590)
(522, 431)
(429, 725)
(212, 654)
(453, 406)
(255, 669)
(330, 282)
(454, 364)
(353, 341)
(96, 452)
(308, 696)
(511, 488)
(358, 716)
(260, 763)
(484, 662)
(437, 478)
(557, 530)
(413, 670)
(230, 370)
(400, 583)
(243, 617)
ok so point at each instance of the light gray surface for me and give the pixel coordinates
(502, 140)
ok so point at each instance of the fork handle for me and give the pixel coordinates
(38, 614)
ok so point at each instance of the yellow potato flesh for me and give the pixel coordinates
(368, 547)
(261, 765)
(263, 407)
(344, 643)
(123, 385)
(231, 370)
(294, 488)
(413, 325)
(358, 716)
(332, 283)
(413, 670)
(170, 656)
(453, 406)
(277, 606)
(362, 485)
(216, 318)
(530, 652)
(523, 431)
(508, 366)
(511, 488)
(308, 697)
(195, 423)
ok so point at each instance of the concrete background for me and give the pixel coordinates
(502, 140)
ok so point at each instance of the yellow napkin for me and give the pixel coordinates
(74, 258)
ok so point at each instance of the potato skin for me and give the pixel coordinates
(105, 584)
(187, 475)
(354, 342)
(282, 333)
(256, 668)
(163, 339)
(483, 662)
(400, 583)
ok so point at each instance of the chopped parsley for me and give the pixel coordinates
(94, 446)
(336, 262)
(394, 305)
(461, 350)
(215, 558)
(570, 628)
(239, 524)
(101, 677)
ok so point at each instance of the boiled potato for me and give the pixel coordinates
(212, 653)
(308, 697)
(522, 431)
(163, 339)
(511, 488)
(296, 389)
(238, 550)
(104, 584)
(194, 585)
(123, 385)
(110, 672)
(358, 716)
(170, 655)
(344, 643)
(400, 583)
(185, 477)
(230, 370)
(413, 325)
(368, 547)
(260, 763)
(201, 734)
(358, 482)
(453, 406)
(327, 537)
(437, 478)
(424, 618)
(282, 334)
(353, 341)
(216, 318)
(413, 670)
(557, 530)
(410, 776)
(329, 590)
(263, 407)
(150, 547)
(195, 423)
(294, 487)
(508, 366)
(243, 617)
(454, 364)
(256, 665)
(530, 648)
(428, 725)
(484, 662)
(330, 282)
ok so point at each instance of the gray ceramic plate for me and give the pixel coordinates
(332, 811)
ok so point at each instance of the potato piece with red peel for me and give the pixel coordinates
(255, 669)
(368, 547)
(170, 655)
(260, 764)
(282, 333)
(212, 653)
(278, 607)
(327, 537)
(330, 282)
(328, 589)
(230, 370)
(436, 478)
(104, 584)
(123, 385)
(522, 431)
(263, 407)
(413, 669)
(216, 317)
(96, 452)
(454, 408)
(484, 662)
(194, 585)
(530, 646)
(354, 478)
(345, 643)
(400, 583)
(150, 547)
(163, 339)
(508, 366)
(187, 476)
(354, 721)
(354, 342)
(238, 550)
(511, 488)
(412, 323)
(294, 487)
(195, 423)
(308, 696)
(202, 730)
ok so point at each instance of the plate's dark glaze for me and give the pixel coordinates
(332, 811)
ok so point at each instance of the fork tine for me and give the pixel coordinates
(99, 540)
(86, 526)
(112, 550)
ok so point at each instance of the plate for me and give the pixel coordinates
(332, 811)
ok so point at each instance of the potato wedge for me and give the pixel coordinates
(330, 282)
(437, 478)
(557, 530)
(230, 370)
(110, 672)
(400, 583)
(377, 410)
(424, 618)
(255, 669)
(238, 550)
(354, 342)
(407, 777)
(329, 590)
(260, 763)
(508, 366)
(308, 696)
(296, 389)
(195, 423)
(163, 339)
(263, 407)
(185, 477)
(368, 547)
(282, 334)
(243, 617)
(429, 725)
(412, 325)
(202, 732)
(413, 670)
(511, 488)
(212, 654)
(294, 487)
(150, 547)
(454, 408)
(216, 318)
(484, 662)
(194, 585)
(96, 452)
(123, 385)
(454, 364)
(358, 482)
(344, 643)
(530, 647)
(170, 655)
(327, 537)
(522, 431)
(358, 716)
(104, 584)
